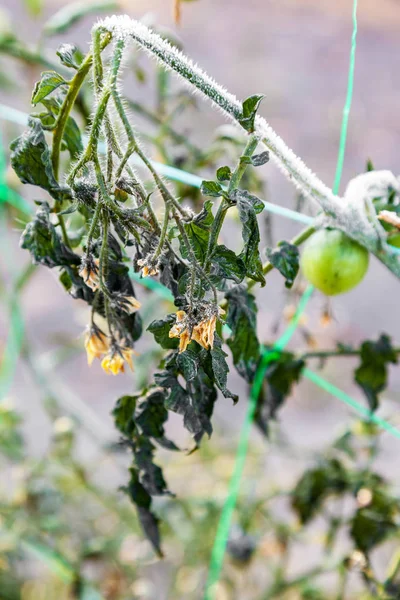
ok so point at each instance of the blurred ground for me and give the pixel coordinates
(296, 53)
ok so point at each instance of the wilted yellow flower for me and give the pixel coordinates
(202, 333)
(90, 274)
(130, 304)
(146, 268)
(114, 362)
(96, 344)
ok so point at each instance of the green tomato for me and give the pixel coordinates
(332, 262)
(394, 240)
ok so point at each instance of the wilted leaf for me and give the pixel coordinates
(371, 375)
(249, 206)
(161, 328)
(243, 342)
(260, 159)
(198, 232)
(227, 265)
(286, 260)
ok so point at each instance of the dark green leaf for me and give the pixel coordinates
(188, 363)
(249, 111)
(226, 265)
(243, 342)
(70, 55)
(30, 159)
(260, 159)
(142, 499)
(221, 370)
(280, 375)
(160, 329)
(373, 523)
(248, 207)
(151, 414)
(198, 232)
(49, 82)
(286, 260)
(43, 242)
(316, 485)
(224, 174)
(371, 375)
(123, 413)
(211, 188)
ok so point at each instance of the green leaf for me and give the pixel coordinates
(188, 363)
(70, 55)
(316, 485)
(151, 414)
(279, 378)
(260, 159)
(142, 499)
(198, 232)
(49, 82)
(243, 342)
(221, 370)
(249, 111)
(226, 265)
(286, 260)
(373, 523)
(123, 414)
(211, 188)
(249, 206)
(30, 159)
(371, 375)
(70, 14)
(43, 242)
(224, 174)
(161, 328)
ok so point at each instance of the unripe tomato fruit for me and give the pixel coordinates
(333, 262)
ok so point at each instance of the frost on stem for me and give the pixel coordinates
(123, 27)
(354, 214)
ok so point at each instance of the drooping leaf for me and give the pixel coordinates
(316, 485)
(280, 375)
(123, 413)
(221, 370)
(249, 206)
(70, 55)
(43, 242)
(160, 329)
(198, 232)
(249, 111)
(30, 159)
(286, 259)
(142, 499)
(211, 188)
(242, 320)
(375, 522)
(151, 414)
(227, 265)
(371, 375)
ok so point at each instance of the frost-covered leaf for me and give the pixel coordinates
(227, 265)
(249, 206)
(260, 159)
(221, 370)
(211, 188)
(30, 159)
(70, 55)
(198, 232)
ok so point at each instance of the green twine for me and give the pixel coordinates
(221, 538)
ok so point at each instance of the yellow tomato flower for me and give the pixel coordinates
(113, 364)
(203, 333)
(130, 304)
(91, 275)
(96, 344)
(146, 268)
